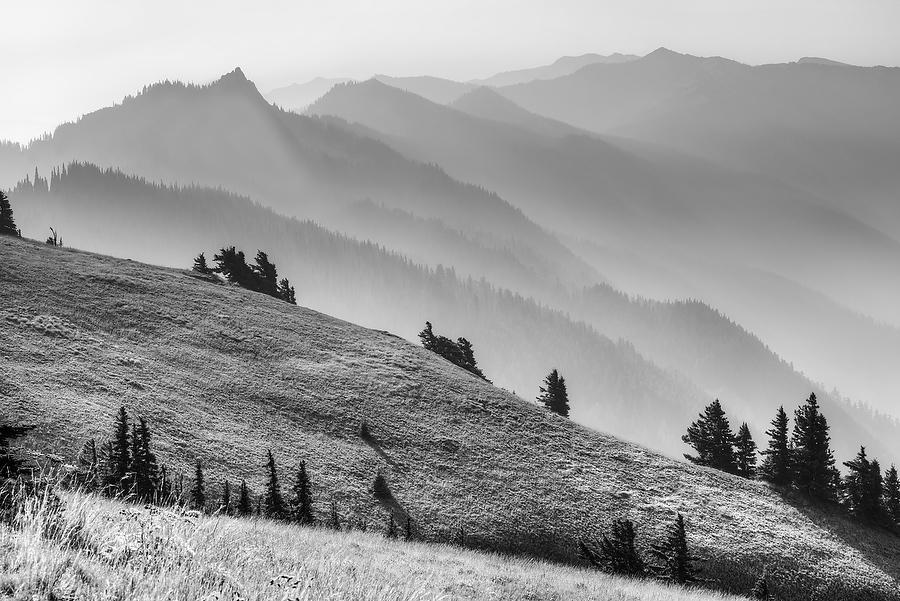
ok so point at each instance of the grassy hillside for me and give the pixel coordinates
(224, 374)
(109, 550)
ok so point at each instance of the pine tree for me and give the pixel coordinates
(875, 492)
(776, 467)
(200, 265)
(301, 507)
(143, 461)
(617, 553)
(856, 483)
(677, 563)
(119, 463)
(745, 452)
(892, 495)
(429, 341)
(286, 292)
(9, 463)
(7, 223)
(226, 498)
(811, 457)
(244, 508)
(554, 395)
(198, 491)
(274, 502)
(468, 354)
(712, 439)
(266, 274)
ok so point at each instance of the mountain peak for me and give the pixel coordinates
(664, 53)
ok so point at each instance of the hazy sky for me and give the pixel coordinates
(61, 59)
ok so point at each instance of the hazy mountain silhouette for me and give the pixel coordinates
(225, 134)
(562, 66)
(486, 103)
(298, 96)
(617, 390)
(828, 129)
(671, 212)
(435, 89)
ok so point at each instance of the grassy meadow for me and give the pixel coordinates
(99, 549)
(223, 374)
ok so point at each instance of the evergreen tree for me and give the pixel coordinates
(745, 452)
(9, 463)
(468, 354)
(302, 503)
(617, 553)
(119, 463)
(226, 498)
(875, 492)
(198, 491)
(7, 223)
(380, 488)
(266, 274)
(676, 562)
(274, 501)
(144, 467)
(244, 508)
(776, 467)
(554, 395)
(891, 495)
(712, 439)
(232, 264)
(811, 458)
(200, 265)
(429, 341)
(286, 292)
(408, 530)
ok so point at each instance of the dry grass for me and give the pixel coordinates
(97, 549)
(222, 374)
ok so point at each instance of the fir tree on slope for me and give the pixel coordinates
(712, 439)
(198, 491)
(554, 395)
(118, 461)
(274, 500)
(225, 505)
(745, 452)
(302, 503)
(200, 265)
(676, 562)
(892, 495)
(244, 508)
(144, 466)
(812, 460)
(459, 353)
(7, 223)
(776, 467)
(616, 552)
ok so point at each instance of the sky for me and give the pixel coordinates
(61, 59)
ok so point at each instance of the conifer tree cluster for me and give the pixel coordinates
(617, 553)
(126, 464)
(261, 276)
(7, 223)
(800, 458)
(459, 353)
(554, 395)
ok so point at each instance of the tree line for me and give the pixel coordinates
(262, 276)
(799, 459)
